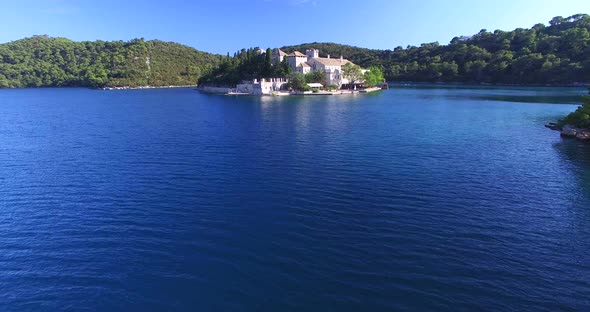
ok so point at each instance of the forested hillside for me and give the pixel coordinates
(41, 61)
(555, 54)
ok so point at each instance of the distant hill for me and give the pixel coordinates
(554, 54)
(42, 61)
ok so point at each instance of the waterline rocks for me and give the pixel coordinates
(569, 131)
(583, 135)
(553, 126)
(573, 132)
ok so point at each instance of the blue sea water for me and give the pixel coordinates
(415, 198)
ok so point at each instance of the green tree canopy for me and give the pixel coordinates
(352, 72)
(41, 61)
(298, 82)
(373, 76)
(317, 77)
(581, 117)
(558, 53)
(246, 64)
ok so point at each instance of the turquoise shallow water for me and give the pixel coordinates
(415, 198)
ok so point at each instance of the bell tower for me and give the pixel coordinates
(312, 53)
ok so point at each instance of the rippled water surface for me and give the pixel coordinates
(409, 199)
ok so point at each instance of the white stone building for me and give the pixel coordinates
(312, 62)
(263, 86)
(278, 56)
(295, 60)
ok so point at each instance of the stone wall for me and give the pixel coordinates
(265, 86)
(215, 89)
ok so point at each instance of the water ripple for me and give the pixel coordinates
(411, 199)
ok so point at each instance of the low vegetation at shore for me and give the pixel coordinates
(581, 117)
(576, 124)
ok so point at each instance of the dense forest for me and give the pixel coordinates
(42, 61)
(246, 64)
(555, 54)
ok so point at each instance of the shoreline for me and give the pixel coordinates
(484, 84)
(229, 92)
(146, 87)
(570, 132)
(392, 83)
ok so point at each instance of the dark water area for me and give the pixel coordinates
(525, 94)
(437, 198)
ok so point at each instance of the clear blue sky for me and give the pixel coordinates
(222, 26)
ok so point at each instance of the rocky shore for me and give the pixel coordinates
(568, 131)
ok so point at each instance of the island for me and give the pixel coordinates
(278, 73)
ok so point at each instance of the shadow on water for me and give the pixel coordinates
(531, 99)
(577, 154)
(519, 94)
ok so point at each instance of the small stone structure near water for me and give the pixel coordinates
(262, 87)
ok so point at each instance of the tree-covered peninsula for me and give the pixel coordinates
(575, 124)
(42, 61)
